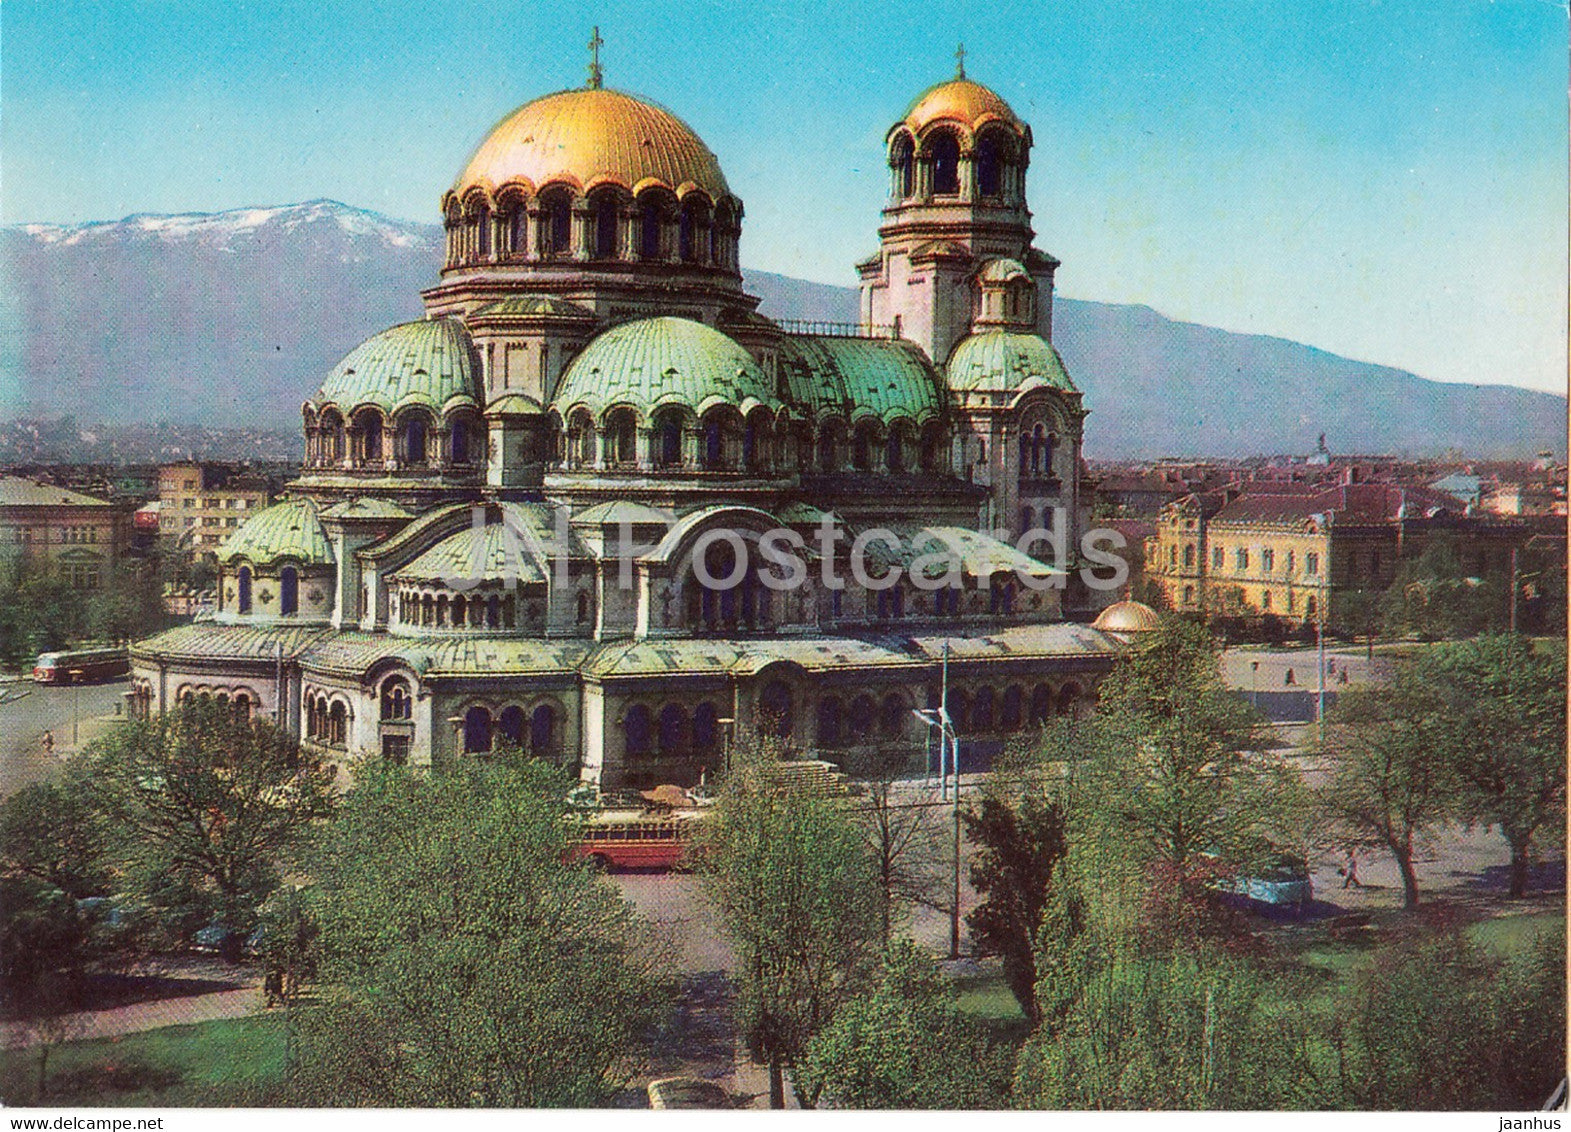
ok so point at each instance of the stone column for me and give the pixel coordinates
(583, 231)
(531, 248)
(967, 174)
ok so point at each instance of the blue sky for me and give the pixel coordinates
(1382, 180)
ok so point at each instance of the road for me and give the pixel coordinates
(27, 710)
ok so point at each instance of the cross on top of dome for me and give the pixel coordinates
(596, 75)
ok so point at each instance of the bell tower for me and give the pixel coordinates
(957, 202)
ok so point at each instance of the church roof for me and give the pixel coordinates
(1127, 617)
(1006, 361)
(883, 378)
(353, 653)
(428, 363)
(589, 137)
(285, 530)
(960, 101)
(663, 361)
(367, 507)
(533, 306)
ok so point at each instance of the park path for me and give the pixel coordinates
(140, 1016)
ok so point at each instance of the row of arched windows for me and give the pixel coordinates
(723, 441)
(1036, 453)
(940, 166)
(607, 224)
(242, 700)
(414, 438)
(672, 732)
(534, 731)
(443, 611)
(327, 720)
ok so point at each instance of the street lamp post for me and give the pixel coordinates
(76, 703)
(1254, 682)
(949, 742)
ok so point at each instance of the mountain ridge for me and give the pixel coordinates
(232, 318)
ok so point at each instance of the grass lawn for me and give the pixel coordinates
(205, 1063)
(988, 999)
(1510, 935)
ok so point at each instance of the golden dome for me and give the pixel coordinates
(1127, 617)
(961, 101)
(591, 137)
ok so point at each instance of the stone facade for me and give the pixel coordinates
(595, 506)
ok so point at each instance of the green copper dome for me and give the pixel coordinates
(284, 530)
(1005, 361)
(887, 379)
(663, 361)
(418, 363)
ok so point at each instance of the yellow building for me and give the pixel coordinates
(1294, 550)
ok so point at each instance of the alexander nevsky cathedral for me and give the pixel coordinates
(596, 506)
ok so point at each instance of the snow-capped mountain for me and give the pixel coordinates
(232, 318)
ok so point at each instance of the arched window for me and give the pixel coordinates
(604, 207)
(636, 728)
(482, 223)
(714, 444)
(652, 217)
(892, 716)
(673, 729)
(583, 607)
(477, 730)
(493, 612)
(706, 727)
(414, 439)
(1012, 708)
(243, 583)
(982, 710)
(338, 725)
(510, 724)
(687, 232)
(556, 225)
(668, 438)
(396, 700)
(989, 168)
(622, 436)
(1189, 554)
(542, 731)
(960, 709)
(368, 429)
(862, 448)
(775, 709)
(1027, 517)
(1041, 704)
(945, 153)
(458, 442)
(1068, 698)
(903, 163)
(829, 727)
(827, 451)
(288, 591)
(894, 451)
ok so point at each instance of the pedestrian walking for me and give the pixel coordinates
(49, 742)
(1350, 870)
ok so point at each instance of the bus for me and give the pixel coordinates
(81, 666)
(637, 839)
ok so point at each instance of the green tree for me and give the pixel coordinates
(1506, 741)
(1019, 843)
(1390, 780)
(129, 605)
(905, 833)
(206, 807)
(1193, 1030)
(799, 896)
(1439, 1023)
(1166, 788)
(1433, 597)
(53, 832)
(905, 1044)
(474, 964)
